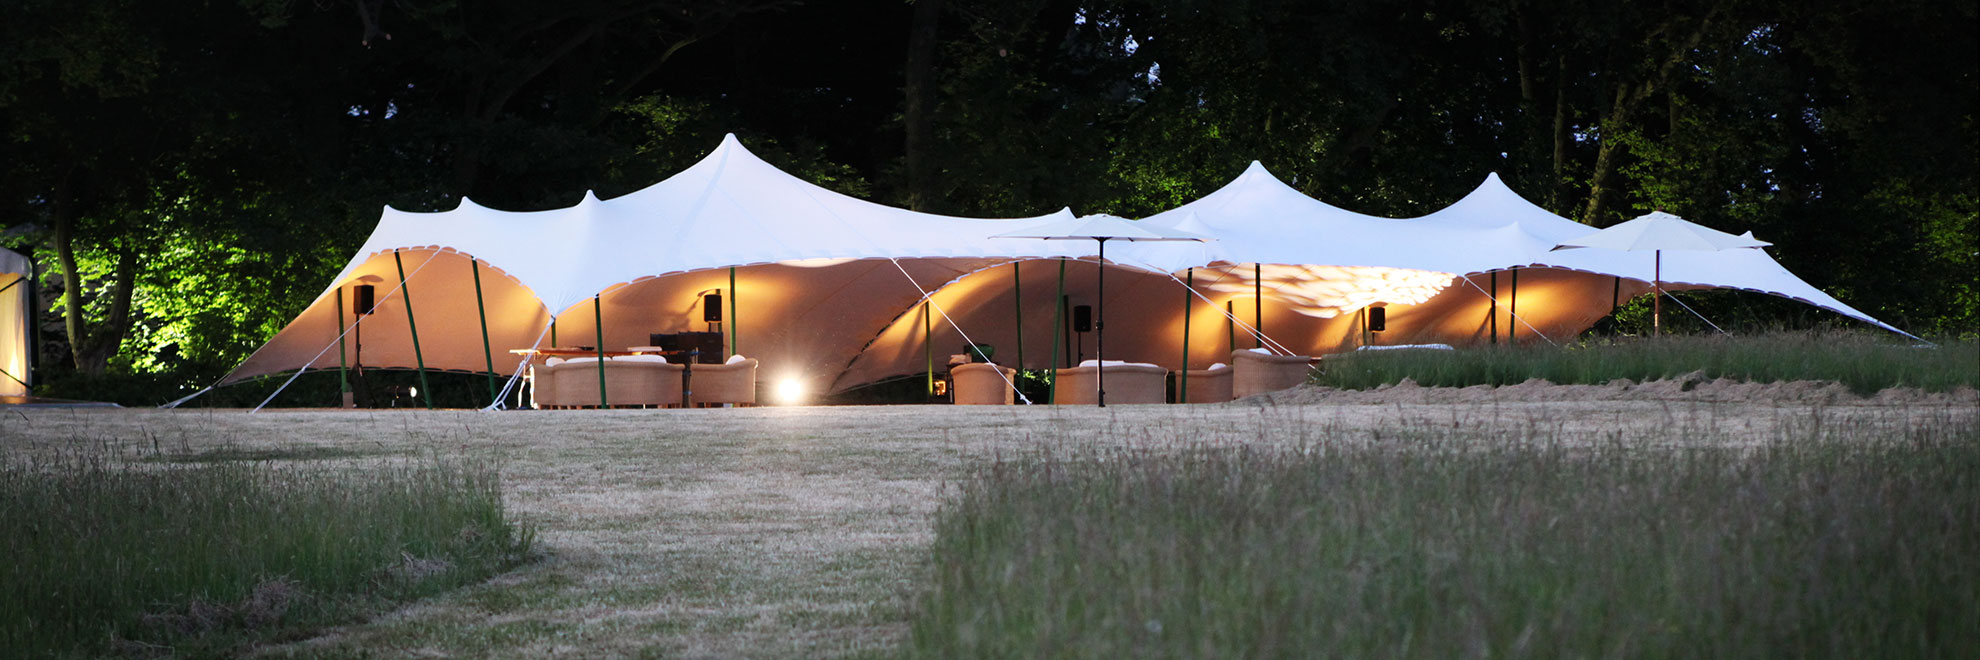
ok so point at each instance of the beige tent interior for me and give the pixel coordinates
(16, 312)
(831, 292)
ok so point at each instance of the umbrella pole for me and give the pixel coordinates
(405, 294)
(1017, 298)
(1058, 330)
(1100, 330)
(1182, 380)
(1657, 295)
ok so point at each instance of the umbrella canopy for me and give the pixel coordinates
(1656, 232)
(1102, 227)
(1662, 231)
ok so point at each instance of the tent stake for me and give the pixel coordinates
(1189, 304)
(405, 294)
(734, 333)
(487, 354)
(1058, 333)
(598, 323)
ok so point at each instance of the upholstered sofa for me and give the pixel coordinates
(632, 380)
(732, 382)
(983, 384)
(1212, 385)
(1127, 382)
(1254, 371)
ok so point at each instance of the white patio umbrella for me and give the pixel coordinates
(1658, 231)
(1102, 228)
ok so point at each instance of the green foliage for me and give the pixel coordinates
(1430, 541)
(1865, 363)
(109, 555)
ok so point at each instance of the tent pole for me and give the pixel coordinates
(1058, 332)
(598, 324)
(1258, 304)
(734, 333)
(553, 332)
(1492, 316)
(487, 353)
(405, 294)
(1189, 303)
(1615, 295)
(1230, 324)
(343, 377)
(1100, 329)
(928, 346)
(1017, 296)
(1512, 330)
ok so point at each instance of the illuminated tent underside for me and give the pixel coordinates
(833, 292)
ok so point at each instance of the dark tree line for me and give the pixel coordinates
(188, 173)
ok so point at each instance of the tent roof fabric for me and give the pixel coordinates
(1662, 231)
(14, 262)
(729, 209)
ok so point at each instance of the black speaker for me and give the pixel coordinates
(1378, 319)
(1082, 318)
(361, 299)
(711, 308)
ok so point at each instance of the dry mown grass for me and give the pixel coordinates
(781, 532)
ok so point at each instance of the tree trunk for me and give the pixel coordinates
(91, 351)
(918, 114)
(1557, 185)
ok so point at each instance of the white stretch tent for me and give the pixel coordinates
(832, 292)
(815, 279)
(15, 315)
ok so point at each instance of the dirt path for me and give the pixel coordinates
(796, 532)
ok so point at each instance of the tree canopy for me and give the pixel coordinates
(192, 172)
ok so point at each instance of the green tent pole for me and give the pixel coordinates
(487, 353)
(1058, 326)
(735, 335)
(343, 378)
(553, 332)
(1230, 324)
(928, 346)
(1512, 330)
(1017, 296)
(405, 294)
(1493, 316)
(598, 322)
(1189, 304)
(1258, 304)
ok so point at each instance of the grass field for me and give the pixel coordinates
(111, 551)
(813, 532)
(1864, 362)
(1827, 541)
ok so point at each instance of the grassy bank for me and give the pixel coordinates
(107, 555)
(1864, 363)
(1833, 540)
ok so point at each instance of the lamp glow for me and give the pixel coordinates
(1329, 291)
(790, 391)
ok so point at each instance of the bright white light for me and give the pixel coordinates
(790, 391)
(817, 263)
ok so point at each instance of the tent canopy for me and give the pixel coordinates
(834, 292)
